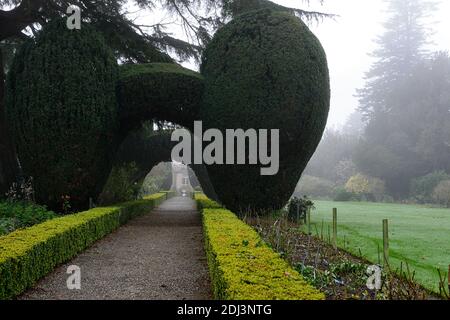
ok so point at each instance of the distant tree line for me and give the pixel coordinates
(397, 145)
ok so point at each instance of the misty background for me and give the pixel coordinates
(348, 39)
(388, 136)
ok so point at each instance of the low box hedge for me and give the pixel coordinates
(29, 254)
(242, 266)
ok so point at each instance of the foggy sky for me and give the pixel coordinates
(347, 40)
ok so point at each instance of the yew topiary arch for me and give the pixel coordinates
(264, 69)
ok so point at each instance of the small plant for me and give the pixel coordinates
(298, 207)
(313, 276)
(65, 204)
(7, 225)
(344, 279)
(348, 267)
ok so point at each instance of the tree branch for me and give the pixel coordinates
(12, 22)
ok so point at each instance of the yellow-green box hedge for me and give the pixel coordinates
(242, 266)
(29, 254)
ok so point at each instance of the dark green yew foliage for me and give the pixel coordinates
(162, 91)
(61, 105)
(70, 108)
(265, 70)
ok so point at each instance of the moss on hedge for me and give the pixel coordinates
(61, 105)
(242, 266)
(265, 70)
(29, 254)
(160, 91)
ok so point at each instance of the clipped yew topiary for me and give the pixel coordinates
(265, 70)
(163, 91)
(70, 107)
(61, 105)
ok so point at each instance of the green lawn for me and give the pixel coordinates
(419, 235)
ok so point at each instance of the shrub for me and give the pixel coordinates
(29, 254)
(242, 266)
(341, 194)
(298, 207)
(369, 188)
(65, 118)
(7, 225)
(16, 215)
(265, 84)
(441, 193)
(422, 188)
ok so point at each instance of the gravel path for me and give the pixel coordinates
(155, 257)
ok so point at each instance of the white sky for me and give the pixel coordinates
(348, 40)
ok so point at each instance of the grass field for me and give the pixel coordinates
(419, 235)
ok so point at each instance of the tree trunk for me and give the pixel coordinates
(9, 167)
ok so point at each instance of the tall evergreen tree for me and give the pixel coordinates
(400, 49)
(397, 102)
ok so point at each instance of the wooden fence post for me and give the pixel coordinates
(335, 228)
(308, 219)
(386, 242)
(449, 282)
